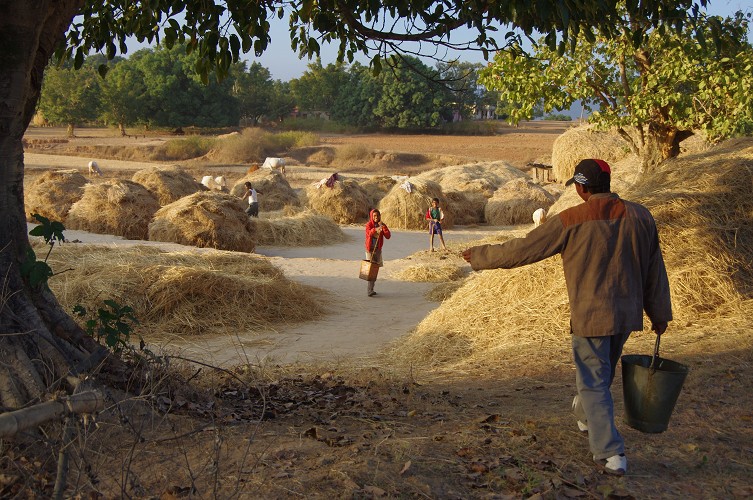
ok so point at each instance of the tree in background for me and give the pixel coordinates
(70, 97)
(464, 91)
(655, 95)
(253, 89)
(40, 342)
(281, 102)
(124, 95)
(357, 98)
(319, 87)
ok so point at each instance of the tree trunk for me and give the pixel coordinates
(39, 343)
(122, 129)
(70, 130)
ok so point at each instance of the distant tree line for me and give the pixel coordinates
(160, 87)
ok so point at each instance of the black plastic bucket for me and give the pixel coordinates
(650, 392)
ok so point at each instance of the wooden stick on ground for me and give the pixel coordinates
(25, 418)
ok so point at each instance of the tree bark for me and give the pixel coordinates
(39, 343)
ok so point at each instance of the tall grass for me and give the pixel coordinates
(184, 148)
(255, 144)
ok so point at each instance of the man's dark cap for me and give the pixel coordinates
(591, 172)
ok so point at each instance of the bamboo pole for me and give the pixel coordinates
(25, 418)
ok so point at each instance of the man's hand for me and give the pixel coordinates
(467, 255)
(659, 328)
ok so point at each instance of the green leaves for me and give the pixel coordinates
(34, 271)
(112, 324)
(51, 231)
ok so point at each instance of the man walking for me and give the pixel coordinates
(614, 271)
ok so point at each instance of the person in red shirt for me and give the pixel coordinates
(376, 232)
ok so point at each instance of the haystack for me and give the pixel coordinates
(484, 178)
(584, 142)
(377, 187)
(168, 183)
(514, 203)
(123, 208)
(346, 201)
(431, 273)
(183, 293)
(53, 193)
(304, 228)
(208, 219)
(704, 213)
(467, 207)
(274, 190)
(401, 209)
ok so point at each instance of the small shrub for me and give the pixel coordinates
(352, 152)
(185, 148)
(558, 117)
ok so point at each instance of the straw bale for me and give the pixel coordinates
(484, 178)
(443, 291)
(123, 208)
(53, 193)
(403, 210)
(168, 183)
(429, 273)
(704, 213)
(346, 201)
(468, 207)
(377, 187)
(274, 190)
(304, 228)
(208, 219)
(514, 203)
(583, 142)
(183, 293)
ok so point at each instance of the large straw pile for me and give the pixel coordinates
(483, 178)
(377, 187)
(429, 273)
(305, 228)
(183, 293)
(123, 208)
(346, 201)
(53, 193)
(467, 207)
(169, 183)
(579, 143)
(274, 191)
(515, 202)
(207, 219)
(403, 210)
(704, 211)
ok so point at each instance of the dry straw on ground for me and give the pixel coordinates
(584, 142)
(515, 202)
(305, 228)
(207, 219)
(468, 207)
(403, 210)
(169, 183)
(345, 202)
(704, 212)
(122, 208)
(182, 293)
(430, 273)
(53, 193)
(274, 190)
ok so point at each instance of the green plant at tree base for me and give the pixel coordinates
(113, 324)
(37, 272)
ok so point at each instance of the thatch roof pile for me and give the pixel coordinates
(579, 143)
(304, 228)
(274, 190)
(515, 202)
(346, 201)
(401, 209)
(123, 208)
(484, 178)
(53, 193)
(377, 187)
(704, 212)
(183, 293)
(208, 219)
(168, 183)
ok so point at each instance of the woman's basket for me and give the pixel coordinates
(369, 270)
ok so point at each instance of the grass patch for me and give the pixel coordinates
(255, 144)
(353, 152)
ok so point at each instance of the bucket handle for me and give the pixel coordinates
(655, 358)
